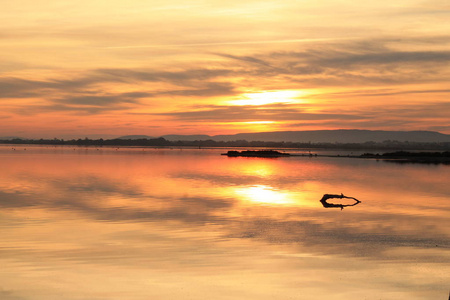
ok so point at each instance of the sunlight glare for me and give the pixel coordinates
(269, 97)
(259, 122)
(257, 168)
(265, 195)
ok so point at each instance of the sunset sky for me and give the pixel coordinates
(100, 68)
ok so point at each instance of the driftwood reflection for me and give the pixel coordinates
(341, 196)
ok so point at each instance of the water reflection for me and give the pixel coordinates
(163, 224)
(264, 194)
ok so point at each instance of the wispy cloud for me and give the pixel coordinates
(98, 101)
(352, 62)
(275, 112)
(254, 42)
(175, 77)
(345, 72)
(82, 104)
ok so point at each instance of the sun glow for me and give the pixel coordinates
(269, 97)
(258, 122)
(252, 126)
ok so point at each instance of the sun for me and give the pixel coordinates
(269, 97)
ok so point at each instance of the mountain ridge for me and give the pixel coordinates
(305, 136)
(324, 136)
(135, 137)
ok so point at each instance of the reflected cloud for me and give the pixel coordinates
(312, 231)
(275, 202)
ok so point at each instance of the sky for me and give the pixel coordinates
(100, 68)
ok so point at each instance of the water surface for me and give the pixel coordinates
(139, 223)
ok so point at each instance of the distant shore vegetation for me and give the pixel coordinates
(161, 142)
(412, 157)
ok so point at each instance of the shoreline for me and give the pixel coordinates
(398, 156)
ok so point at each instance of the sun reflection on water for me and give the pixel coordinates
(193, 214)
(265, 195)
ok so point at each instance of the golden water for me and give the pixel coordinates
(138, 224)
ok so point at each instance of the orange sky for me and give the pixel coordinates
(110, 68)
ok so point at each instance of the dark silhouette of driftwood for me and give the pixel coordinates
(341, 196)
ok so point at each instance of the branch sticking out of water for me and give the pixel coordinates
(326, 204)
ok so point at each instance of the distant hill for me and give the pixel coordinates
(135, 137)
(325, 136)
(8, 138)
(199, 137)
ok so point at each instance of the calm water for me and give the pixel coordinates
(138, 224)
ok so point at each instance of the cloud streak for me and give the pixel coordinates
(256, 42)
(363, 68)
(276, 112)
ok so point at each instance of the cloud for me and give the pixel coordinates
(11, 87)
(98, 101)
(20, 88)
(412, 111)
(8, 66)
(358, 93)
(209, 89)
(401, 116)
(9, 295)
(88, 104)
(187, 77)
(440, 128)
(351, 62)
(275, 112)
(247, 59)
(193, 82)
(348, 60)
(82, 95)
(378, 65)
